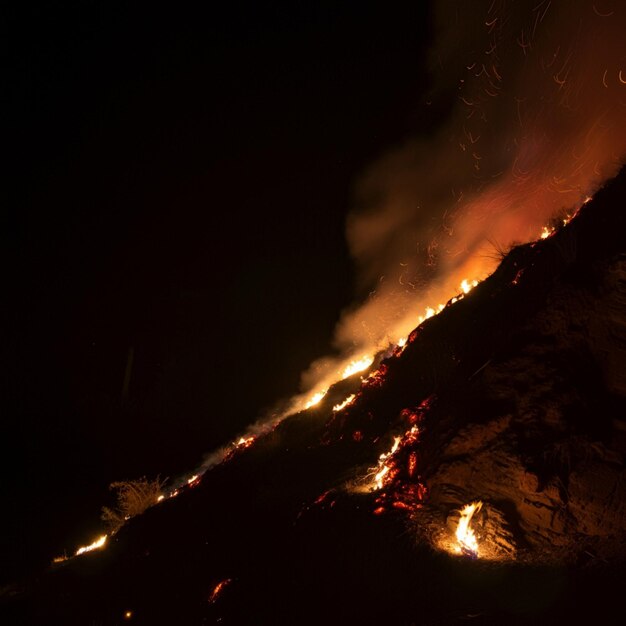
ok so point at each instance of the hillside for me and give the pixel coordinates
(515, 396)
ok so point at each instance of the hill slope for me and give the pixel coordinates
(515, 396)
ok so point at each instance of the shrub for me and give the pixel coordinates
(133, 498)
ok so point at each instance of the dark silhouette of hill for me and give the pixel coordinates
(517, 394)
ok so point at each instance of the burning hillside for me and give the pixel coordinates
(475, 473)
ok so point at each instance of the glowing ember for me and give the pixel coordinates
(466, 539)
(344, 404)
(217, 590)
(316, 398)
(430, 312)
(379, 477)
(376, 378)
(128, 614)
(357, 366)
(98, 543)
(467, 286)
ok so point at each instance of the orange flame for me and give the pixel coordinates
(383, 467)
(342, 405)
(465, 536)
(98, 543)
(358, 365)
(217, 590)
(316, 398)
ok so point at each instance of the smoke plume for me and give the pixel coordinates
(537, 125)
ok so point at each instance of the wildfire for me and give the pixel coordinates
(364, 362)
(193, 480)
(316, 398)
(546, 232)
(344, 404)
(465, 287)
(98, 543)
(465, 536)
(357, 365)
(383, 471)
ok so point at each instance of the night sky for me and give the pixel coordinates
(176, 198)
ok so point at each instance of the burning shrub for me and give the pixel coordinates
(133, 498)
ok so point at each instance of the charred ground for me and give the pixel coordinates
(520, 396)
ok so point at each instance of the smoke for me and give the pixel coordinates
(537, 125)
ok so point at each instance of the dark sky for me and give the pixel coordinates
(178, 186)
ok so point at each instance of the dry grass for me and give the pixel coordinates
(133, 498)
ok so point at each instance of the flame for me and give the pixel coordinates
(358, 365)
(217, 590)
(192, 481)
(98, 543)
(467, 286)
(316, 398)
(344, 404)
(364, 362)
(546, 232)
(383, 467)
(466, 539)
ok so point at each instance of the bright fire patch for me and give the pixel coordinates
(465, 536)
(357, 366)
(344, 404)
(98, 543)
